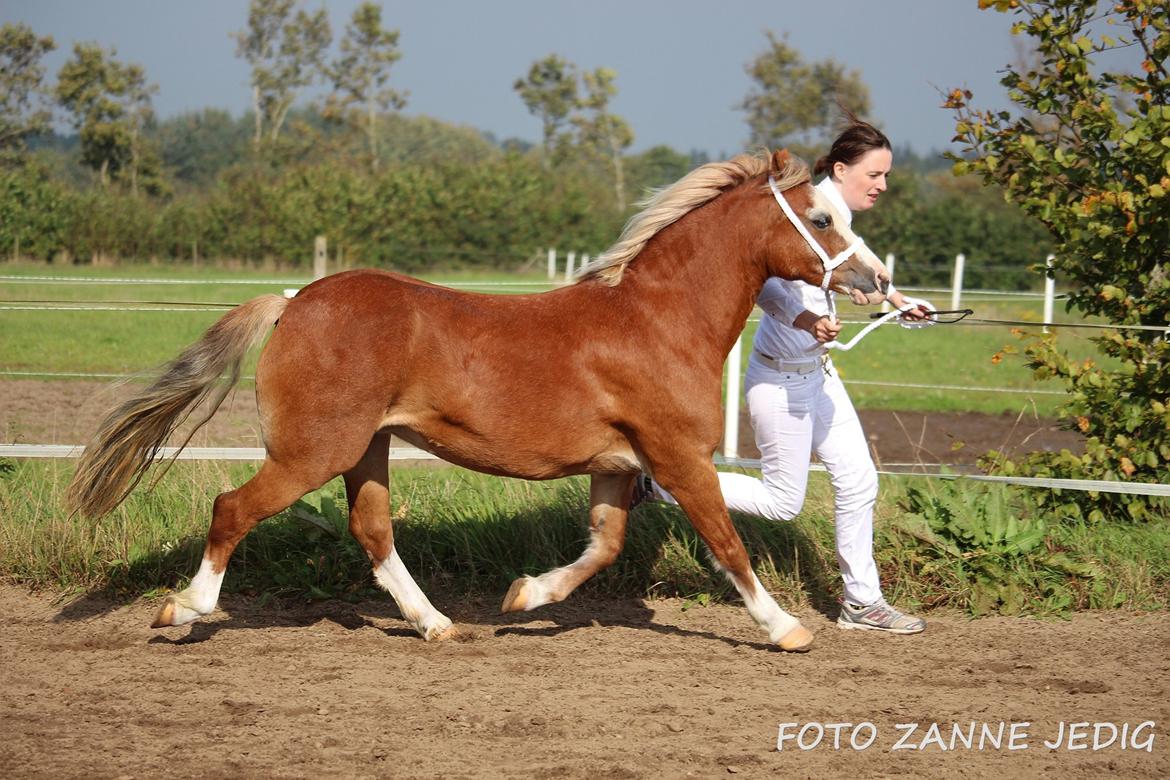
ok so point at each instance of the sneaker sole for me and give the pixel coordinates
(863, 627)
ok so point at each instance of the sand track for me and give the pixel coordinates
(587, 689)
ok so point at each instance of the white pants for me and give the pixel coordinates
(794, 415)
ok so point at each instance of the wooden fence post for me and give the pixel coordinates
(552, 264)
(320, 257)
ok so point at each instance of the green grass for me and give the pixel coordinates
(131, 342)
(124, 342)
(462, 533)
(458, 531)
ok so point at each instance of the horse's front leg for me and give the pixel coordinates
(695, 485)
(609, 498)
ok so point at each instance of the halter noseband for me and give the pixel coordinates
(830, 263)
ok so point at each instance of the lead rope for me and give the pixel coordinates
(882, 319)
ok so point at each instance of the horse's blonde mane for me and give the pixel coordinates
(666, 206)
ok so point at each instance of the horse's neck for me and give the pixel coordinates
(705, 271)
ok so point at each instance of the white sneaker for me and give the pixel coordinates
(879, 616)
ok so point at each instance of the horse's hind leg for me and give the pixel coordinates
(273, 489)
(696, 488)
(367, 486)
(609, 498)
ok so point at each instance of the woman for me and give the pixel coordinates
(798, 404)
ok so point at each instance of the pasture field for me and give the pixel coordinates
(128, 342)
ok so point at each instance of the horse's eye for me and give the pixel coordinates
(821, 221)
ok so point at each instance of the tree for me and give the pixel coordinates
(139, 112)
(22, 111)
(550, 92)
(110, 102)
(359, 76)
(197, 145)
(601, 132)
(286, 54)
(1089, 157)
(656, 167)
(794, 103)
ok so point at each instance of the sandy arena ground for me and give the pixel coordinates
(585, 689)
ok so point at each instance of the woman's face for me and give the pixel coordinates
(862, 182)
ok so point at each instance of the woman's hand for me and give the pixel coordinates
(822, 327)
(920, 311)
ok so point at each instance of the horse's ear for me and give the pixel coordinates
(781, 159)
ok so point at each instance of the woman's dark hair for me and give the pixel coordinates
(853, 142)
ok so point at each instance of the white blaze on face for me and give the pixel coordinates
(823, 207)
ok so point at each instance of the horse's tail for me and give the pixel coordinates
(130, 437)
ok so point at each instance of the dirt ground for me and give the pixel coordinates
(584, 689)
(35, 412)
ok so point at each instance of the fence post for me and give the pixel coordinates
(889, 267)
(552, 264)
(320, 257)
(731, 408)
(1049, 291)
(572, 258)
(957, 281)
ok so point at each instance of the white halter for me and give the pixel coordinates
(829, 263)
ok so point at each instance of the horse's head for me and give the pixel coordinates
(812, 241)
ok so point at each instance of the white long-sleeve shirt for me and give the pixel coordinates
(783, 301)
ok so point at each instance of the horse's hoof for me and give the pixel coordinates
(798, 640)
(516, 599)
(450, 632)
(166, 614)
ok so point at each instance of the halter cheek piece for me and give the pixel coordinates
(830, 263)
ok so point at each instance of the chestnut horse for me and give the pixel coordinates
(618, 373)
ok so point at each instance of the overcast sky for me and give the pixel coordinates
(680, 63)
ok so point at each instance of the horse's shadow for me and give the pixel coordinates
(583, 613)
(786, 549)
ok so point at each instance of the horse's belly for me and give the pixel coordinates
(542, 457)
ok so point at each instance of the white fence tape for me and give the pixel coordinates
(254, 282)
(1024, 390)
(910, 385)
(1083, 485)
(92, 307)
(412, 453)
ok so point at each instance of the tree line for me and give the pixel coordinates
(410, 192)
